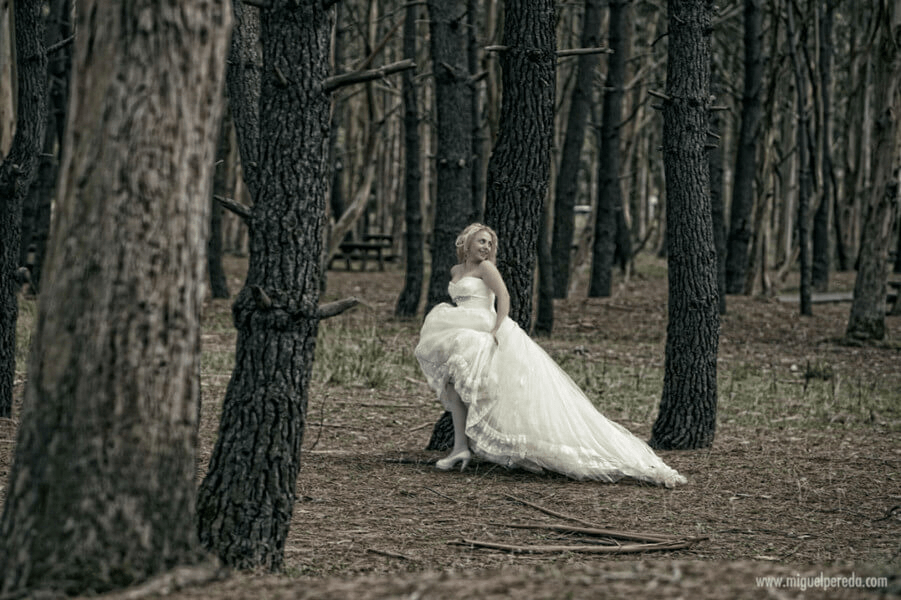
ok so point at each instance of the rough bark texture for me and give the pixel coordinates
(102, 491)
(746, 156)
(38, 205)
(519, 168)
(247, 497)
(408, 301)
(687, 417)
(16, 174)
(453, 203)
(610, 199)
(867, 320)
(566, 187)
(717, 205)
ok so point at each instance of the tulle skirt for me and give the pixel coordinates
(523, 409)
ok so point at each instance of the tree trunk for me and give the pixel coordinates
(408, 301)
(822, 259)
(102, 492)
(224, 186)
(247, 497)
(867, 319)
(519, 168)
(746, 157)
(16, 174)
(453, 203)
(567, 184)
(7, 79)
(544, 320)
(479, 141)
(715, 159)
(40, 201)
(610, 200)
(804, 175)
(687, 417)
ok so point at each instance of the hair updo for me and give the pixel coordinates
(466, 235)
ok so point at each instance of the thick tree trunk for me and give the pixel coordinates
(102, 493)
(867, 319)
(16, 174)
(567, 183)
(246, 499)
(479, 141)
(408, 301)
(687, 417)
(453, 203)
(610, 200)
(746, 157)
(519, 169)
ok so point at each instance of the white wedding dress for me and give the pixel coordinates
(523, 409)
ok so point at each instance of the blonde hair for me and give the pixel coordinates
(465, 235)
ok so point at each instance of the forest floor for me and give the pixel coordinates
(803, 480)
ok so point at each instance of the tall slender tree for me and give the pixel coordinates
(804, 158)
(867, 319)
(102, 491)
(743, 187)
(609, 204)
(566, 186)
(687, 417)
(519, 168)
(822, 256)
(16, 174)
(408, 301)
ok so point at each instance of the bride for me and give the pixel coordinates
(511, 403)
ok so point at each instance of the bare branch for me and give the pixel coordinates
(580, 51)
(591, 549)
(60, 45)
(337, 307)
(345, 79)
(234, 206)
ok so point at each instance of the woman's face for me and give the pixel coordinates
(480, 246)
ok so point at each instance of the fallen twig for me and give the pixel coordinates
(593, 531)
(592, 549)
(443, 496)
(548, 511)
(388, 553)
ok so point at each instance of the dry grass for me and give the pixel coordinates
(801, 480)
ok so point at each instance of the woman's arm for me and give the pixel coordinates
(492, 278)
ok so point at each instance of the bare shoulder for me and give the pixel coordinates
(488, 269)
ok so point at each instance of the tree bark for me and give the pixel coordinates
(519, 168)
(867, 319)
(804, 159)
(223, 186)
(453, 203)
(715, 159)
(746, 157)
(822, 258)
(687, 416)
(246, 499)
(16, 174)
(566, 188)
(408, 301)
(610, 200)
(102, 491)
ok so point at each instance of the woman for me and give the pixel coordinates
(511, 403)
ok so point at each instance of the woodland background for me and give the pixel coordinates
(801, 151)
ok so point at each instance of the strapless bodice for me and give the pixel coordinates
(471, 292)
